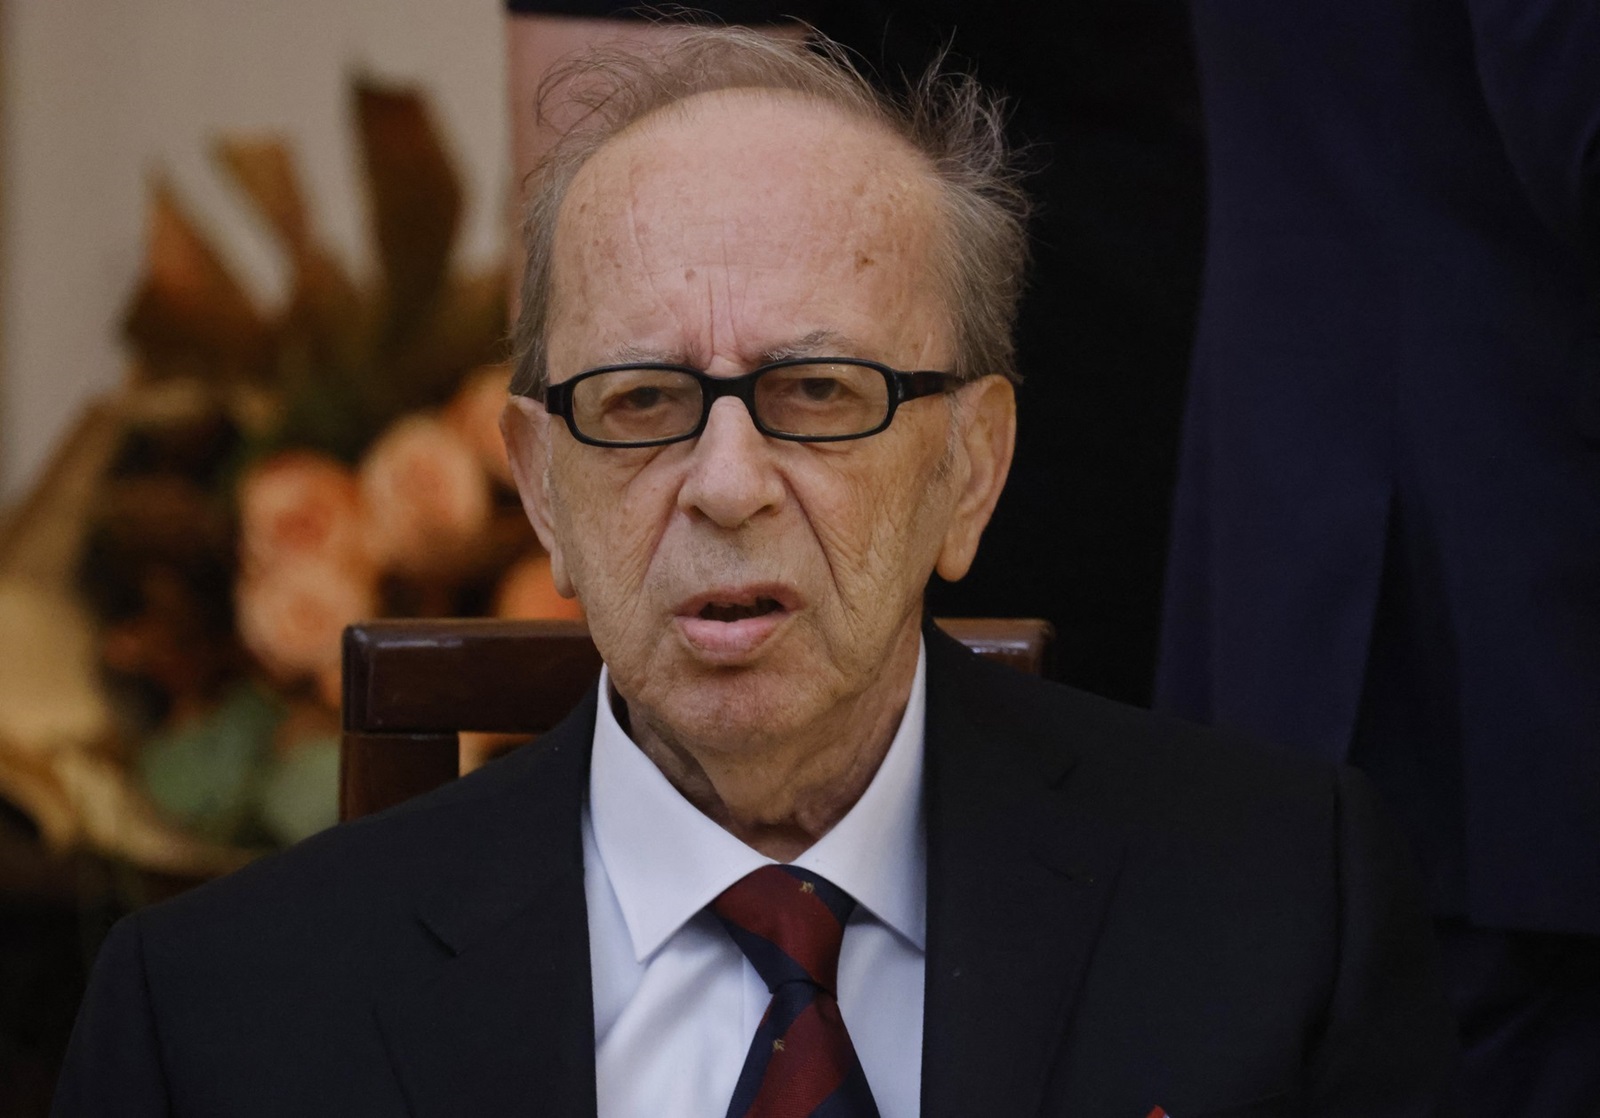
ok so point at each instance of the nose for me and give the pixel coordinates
(732, 477)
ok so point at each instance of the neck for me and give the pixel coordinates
(782, 796)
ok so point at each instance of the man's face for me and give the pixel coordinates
(741, 587)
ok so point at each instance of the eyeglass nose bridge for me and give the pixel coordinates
(741, 388)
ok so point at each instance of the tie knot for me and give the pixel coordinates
(788, 922)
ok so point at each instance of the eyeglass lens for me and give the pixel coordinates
(811, 400)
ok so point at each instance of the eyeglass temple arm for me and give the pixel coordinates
(915, 385)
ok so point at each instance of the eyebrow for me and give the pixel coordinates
(627, 354)
(817, 343)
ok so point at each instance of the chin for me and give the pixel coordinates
(729, 710)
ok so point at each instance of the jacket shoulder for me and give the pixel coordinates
(343, 902)
(1143, 761)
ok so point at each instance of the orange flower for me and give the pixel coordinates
(527, 591)
(300, 506)
(427, 499)
(292, 617)
(474, 414)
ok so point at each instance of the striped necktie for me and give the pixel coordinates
(789, 923)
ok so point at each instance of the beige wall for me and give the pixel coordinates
(98, 93)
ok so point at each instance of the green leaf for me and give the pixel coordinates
(204, 773)
(300, 792)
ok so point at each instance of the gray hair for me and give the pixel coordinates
(952, 121)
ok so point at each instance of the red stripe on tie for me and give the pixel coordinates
(816, 1057)
(777, 907)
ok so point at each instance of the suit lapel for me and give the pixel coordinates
(503, 1022)
(1017, 886)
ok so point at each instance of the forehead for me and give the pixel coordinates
(740, 215)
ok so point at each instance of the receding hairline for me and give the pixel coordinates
(865, 115)
(684, 108)
(929, 189)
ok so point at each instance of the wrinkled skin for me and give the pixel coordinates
(733, 229)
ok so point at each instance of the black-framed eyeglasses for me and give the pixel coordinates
(803, 399)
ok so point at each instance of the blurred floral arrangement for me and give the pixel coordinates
(174, 591)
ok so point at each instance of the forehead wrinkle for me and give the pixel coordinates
(653, 276)
(879, 212)
(733, 302)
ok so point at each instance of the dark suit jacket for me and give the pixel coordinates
(1392, 451)
(1124, 912)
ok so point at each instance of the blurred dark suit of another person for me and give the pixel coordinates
(1387, 539)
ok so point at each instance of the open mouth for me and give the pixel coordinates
(731, 624)
(739, 611)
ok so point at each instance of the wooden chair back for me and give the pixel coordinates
(411, 686)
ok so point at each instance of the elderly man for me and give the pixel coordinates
(800, 855)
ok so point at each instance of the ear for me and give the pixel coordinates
(525, 426)
(987, 436)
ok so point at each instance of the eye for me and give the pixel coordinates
(819, 389)
(824, 399)
(626, 405)
(634, 394)
(812, 386)
(642, 398)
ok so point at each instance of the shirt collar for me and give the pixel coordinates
(666, 861)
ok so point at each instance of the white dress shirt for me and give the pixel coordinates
(675, 1002)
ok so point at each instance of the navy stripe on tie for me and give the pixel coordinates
(801, 1063)
(840, 903)
(772, 963)
(851, 1100)
(788, 1003)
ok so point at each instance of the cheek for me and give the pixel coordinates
(881, 526)
(922, 506)
(610, 518)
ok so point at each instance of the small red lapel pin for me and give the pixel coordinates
(1158, 1113)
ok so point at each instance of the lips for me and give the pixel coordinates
(731, 624)
(738, 611)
